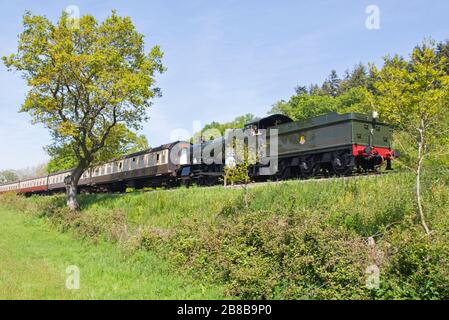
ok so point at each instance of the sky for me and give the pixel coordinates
(224, 58)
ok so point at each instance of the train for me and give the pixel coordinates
(328, 145)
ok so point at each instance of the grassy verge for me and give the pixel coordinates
(295, 240)
(34, 258)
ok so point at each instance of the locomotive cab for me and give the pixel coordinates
(267, 122)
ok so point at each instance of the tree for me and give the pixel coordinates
(85, 77)
(305, 106)
(443, 53)
(355, 100)
(301, 90)
(332, 84)
(414, 95)
(238, 172)
(7, 176)
(315, 90)
(121, 141)
(237, 123)
(358, 78)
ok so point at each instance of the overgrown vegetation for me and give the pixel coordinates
(294, 240)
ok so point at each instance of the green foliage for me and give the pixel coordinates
(305, 106)
(443, 53)
(416, 267)
(214, 129)
(357, 78)
(294, 240)
(85, 78)
(331, 86)
(351, 94)
(121, 141)
(237, 173)
(413, 95)
(315, 246)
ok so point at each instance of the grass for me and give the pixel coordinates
(390, 195)
(293, 240)
(164, 208)
(34, 258)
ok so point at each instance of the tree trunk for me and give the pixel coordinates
(245, 195)
(71, 185)
(421, 147)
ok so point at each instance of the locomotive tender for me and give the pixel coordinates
(330, 144)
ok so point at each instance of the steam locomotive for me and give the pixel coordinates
(331, 144)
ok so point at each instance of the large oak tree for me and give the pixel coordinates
(85, 78)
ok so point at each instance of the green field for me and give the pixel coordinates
(34, 258)
(292, 240)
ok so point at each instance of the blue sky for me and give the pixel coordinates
(225, 58)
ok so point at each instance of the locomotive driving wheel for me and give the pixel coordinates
(306, 169)
(341, 165)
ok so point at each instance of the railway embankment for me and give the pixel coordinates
(340, 238)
